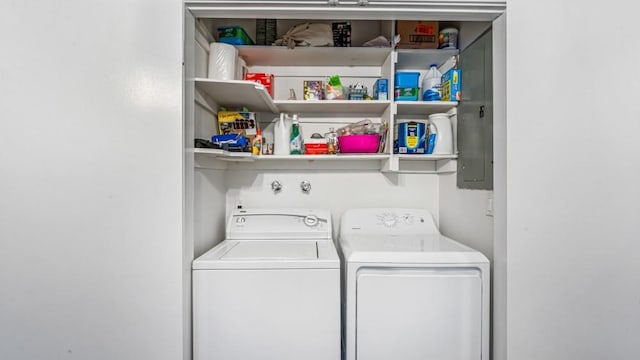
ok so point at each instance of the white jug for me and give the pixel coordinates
(441, 125)
(281, 132)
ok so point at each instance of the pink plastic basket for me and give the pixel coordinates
(360, 143)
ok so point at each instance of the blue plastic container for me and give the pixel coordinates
(406, 79)
(410, 138)
(405, 87)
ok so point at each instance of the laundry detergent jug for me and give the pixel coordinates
(281, 132)
(431, 84)
(440, 129)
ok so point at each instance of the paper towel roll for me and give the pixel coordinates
(222, 61)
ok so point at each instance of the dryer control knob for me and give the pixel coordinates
(388, 219)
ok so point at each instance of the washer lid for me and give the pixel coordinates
(270, 254)
(272, 250)
(408, 249)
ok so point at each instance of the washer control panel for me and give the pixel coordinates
(279, 224)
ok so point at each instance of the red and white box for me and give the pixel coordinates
(314, 146)
(262, 78)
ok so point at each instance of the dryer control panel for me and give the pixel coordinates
(279, 224)
(393, 221)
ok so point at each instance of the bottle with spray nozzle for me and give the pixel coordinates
(296, 137)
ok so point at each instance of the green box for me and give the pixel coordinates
(405, 93)
(234, 35)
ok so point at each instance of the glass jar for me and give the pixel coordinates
(332, 141)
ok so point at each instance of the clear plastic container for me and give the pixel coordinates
(332, 141)
(361, 127)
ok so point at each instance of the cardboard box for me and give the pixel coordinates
(381, 89)
(234, 122)
(405, 94)
(341, 34)
(234, 35)
(451, 85)
(312, 90)
(262, 78)
(417, 34)
(266, 30)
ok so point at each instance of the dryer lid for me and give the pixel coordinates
(404, 243)
(403, 249)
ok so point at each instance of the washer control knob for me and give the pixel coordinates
(311, 220)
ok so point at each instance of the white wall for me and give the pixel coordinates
(333, 190)
(210, 209)
(573, 198)
(90, 180)
(463, 215)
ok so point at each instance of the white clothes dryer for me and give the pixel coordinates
(270, 290)
(411, 293)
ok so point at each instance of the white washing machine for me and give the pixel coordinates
(270, 290)
(411, 293)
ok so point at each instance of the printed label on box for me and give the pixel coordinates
(261, 78)
(451, 85)
(312, 90)
(232, 122)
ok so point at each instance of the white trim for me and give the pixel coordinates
(500, 189)
(383, 10)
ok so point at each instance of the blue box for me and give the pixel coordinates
(451, 85)
(410, 138)
(381, 89)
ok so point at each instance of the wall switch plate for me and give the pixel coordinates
(489, 206)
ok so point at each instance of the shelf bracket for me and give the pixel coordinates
(391, 164)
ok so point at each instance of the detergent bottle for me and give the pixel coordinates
(281, 131)
(440, 129)
(431, 84)
(296, 137)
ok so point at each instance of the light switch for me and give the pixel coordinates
(489, 207)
